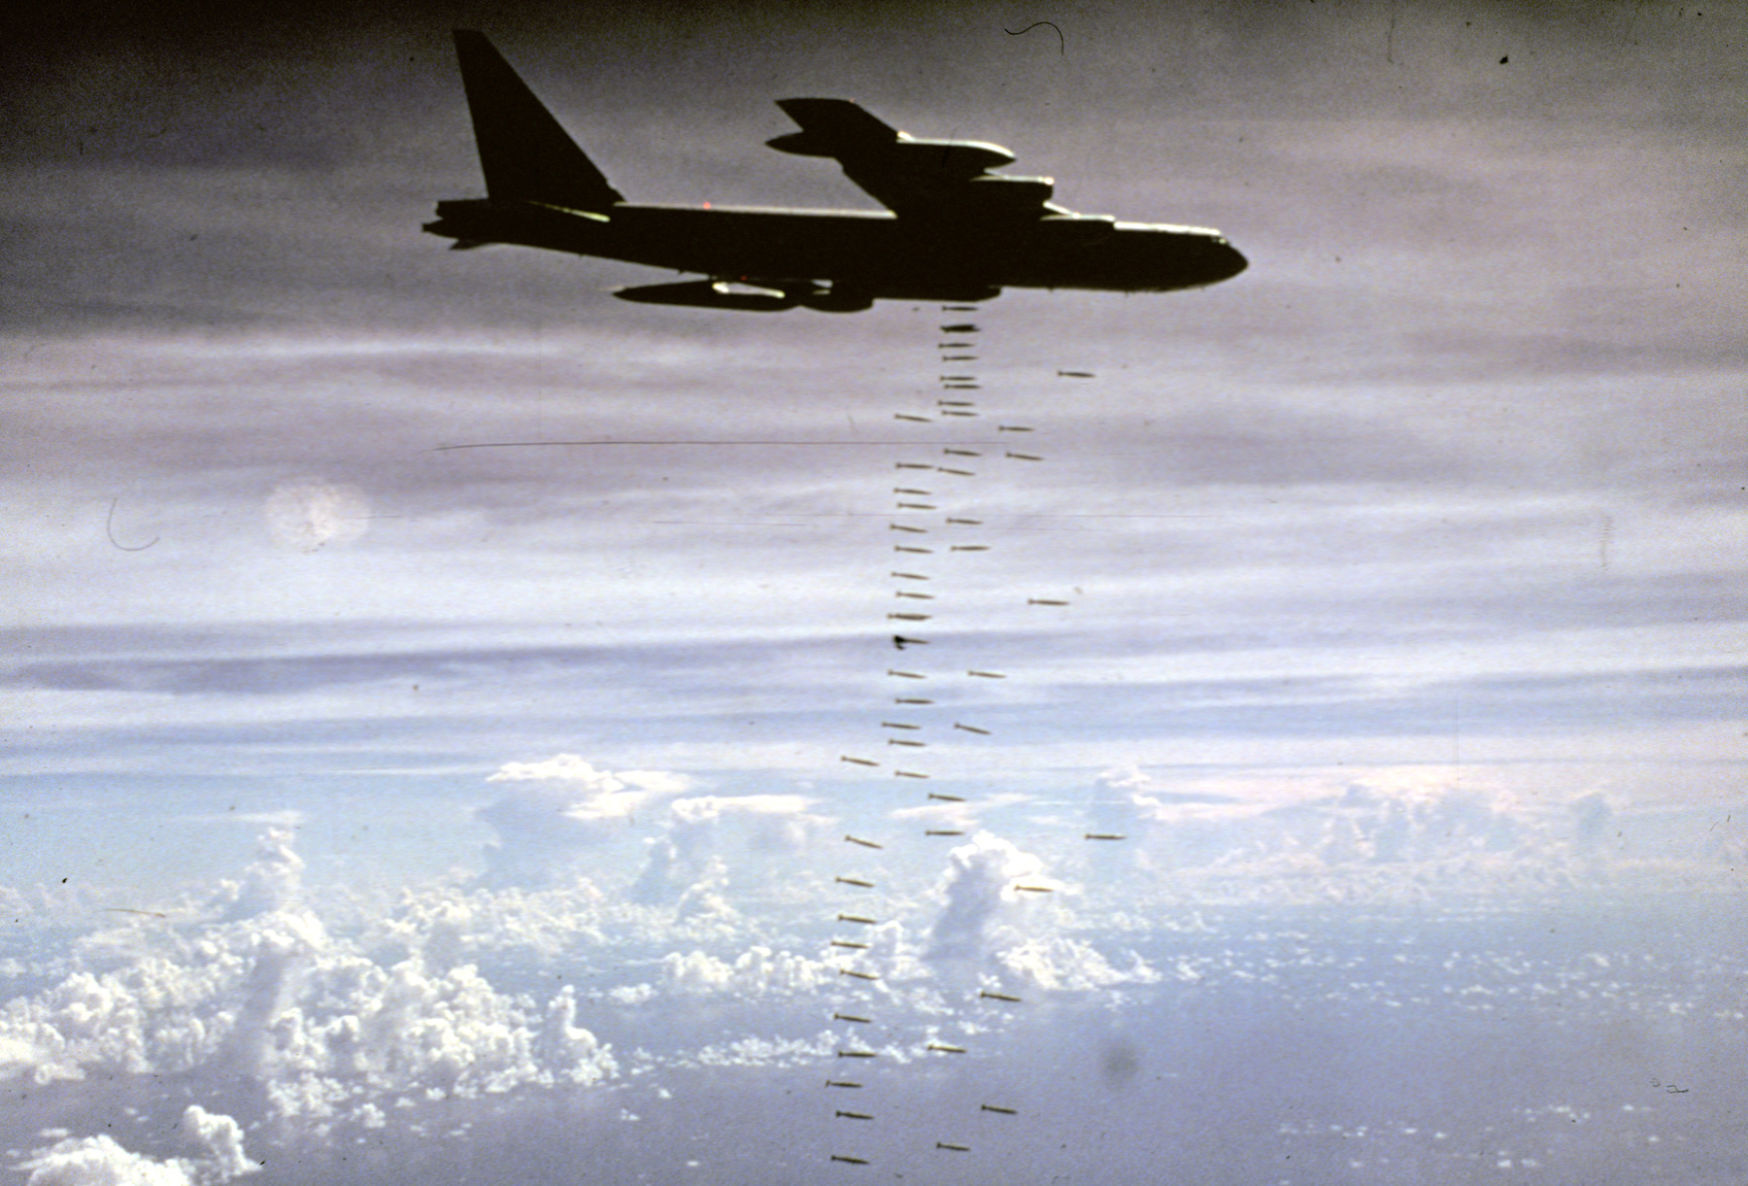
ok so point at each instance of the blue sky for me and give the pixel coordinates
(1402, 577)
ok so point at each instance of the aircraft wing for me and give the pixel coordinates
(914, 178)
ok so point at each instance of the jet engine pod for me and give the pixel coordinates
(711, 294)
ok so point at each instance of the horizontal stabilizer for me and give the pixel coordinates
(525, 154)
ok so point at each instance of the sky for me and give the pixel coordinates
(398, 786)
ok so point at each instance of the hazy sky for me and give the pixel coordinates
(1406, 566)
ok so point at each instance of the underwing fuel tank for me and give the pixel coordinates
(710, 294)
(756, 298)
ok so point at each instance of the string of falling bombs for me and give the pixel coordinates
(928, 533)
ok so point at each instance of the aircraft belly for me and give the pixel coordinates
(770, 246)
(878, 254)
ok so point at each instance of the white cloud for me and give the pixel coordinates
(576, 791)
(322, 1027)
(446, 924)
(561, 806)
(767, 1052)
(709, 807)
(572, 769)
(571, 1051)
(101, 1161)
(977, 889)
(1127, 777)
(1060, 964)
(272, 880)
(759, 971)
(682, 865)
(703, 900)
(1395, 831)
(781, 823)
(222, 1138)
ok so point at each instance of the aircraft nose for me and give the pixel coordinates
(1228, 261)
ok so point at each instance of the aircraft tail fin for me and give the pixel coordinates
(525, 154)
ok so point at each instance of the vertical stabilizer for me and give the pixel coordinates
(524, 152)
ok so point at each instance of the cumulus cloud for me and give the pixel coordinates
(681, 860)
(994, 925)
(1378, 825)
(1059, 964)
(767, 1052)
(783, 823)
(1409, 829)
(978, 891)
(323, 1029)
(101, 1161)
(222, 1138)
(446, 925)
(703, 900)
(571, 769)
(272, 880)
(757, 972)
(558, 807)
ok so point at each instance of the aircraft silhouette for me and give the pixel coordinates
(952, 230)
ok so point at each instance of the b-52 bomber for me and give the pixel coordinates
(952, 230)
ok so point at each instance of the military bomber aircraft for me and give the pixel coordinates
(952, 230)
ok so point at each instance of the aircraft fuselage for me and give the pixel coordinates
(876, 254)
